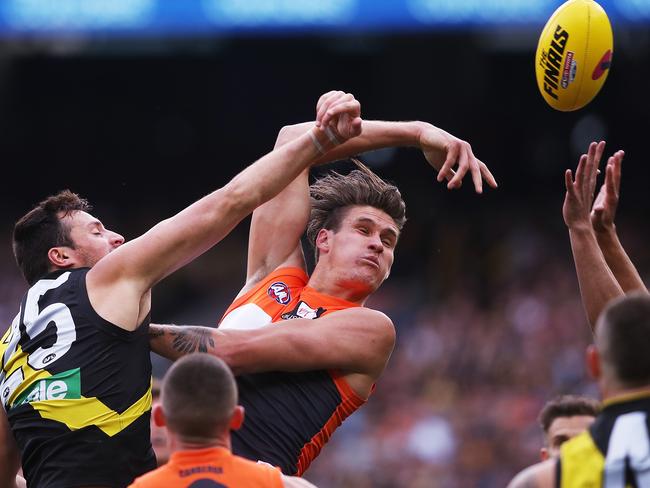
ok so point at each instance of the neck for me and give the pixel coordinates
(613, 391)
(185, 443)
(325, 281)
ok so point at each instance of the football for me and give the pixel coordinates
(574, 55)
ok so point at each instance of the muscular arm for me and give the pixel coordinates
(598, 286)
(117, 283)
(277, 225)
(9, 456)
(603, 215)
(619, 262)
(357, 340)
(597, 283)
(296, 482)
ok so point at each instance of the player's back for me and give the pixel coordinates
(614, 451)
(77, 389)
(212, 467)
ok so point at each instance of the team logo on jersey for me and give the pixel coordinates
(279, 292)
(303, 311)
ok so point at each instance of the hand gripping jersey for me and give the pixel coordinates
(614, 452)
(76, 388)
(210, 468)
(289, 416)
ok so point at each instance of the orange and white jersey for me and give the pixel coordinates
(289, 416)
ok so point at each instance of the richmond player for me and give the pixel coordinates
(75, 374)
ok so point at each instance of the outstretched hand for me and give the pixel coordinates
(340, 112)
(445, 152)
(604, 210)
(580, 191)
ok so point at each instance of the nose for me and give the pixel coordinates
(116, 239)
(375, 243)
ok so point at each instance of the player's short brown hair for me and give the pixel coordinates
(41, 229)
(567, 406)
(623, 339)
(334, 194)
(198, 395)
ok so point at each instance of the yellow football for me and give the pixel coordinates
(574, 54)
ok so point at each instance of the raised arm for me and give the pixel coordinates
(357, 340)
(118, 283)
(275, 233)
(597, 283)
(603, 215)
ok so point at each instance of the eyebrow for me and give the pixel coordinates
(367, 220)
(95, 223)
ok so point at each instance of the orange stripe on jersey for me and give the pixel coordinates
(351, 402)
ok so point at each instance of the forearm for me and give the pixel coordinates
(243, 351)
(376, 135)
(619, 262)
(598, 286)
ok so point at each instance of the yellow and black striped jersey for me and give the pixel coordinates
(76, 388)
(614, 452)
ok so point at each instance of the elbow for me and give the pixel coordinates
(288, 133)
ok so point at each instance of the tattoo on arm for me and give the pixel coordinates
(192, 339)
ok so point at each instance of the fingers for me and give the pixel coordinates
(337, 104)
(487, 175)
(323, 103)
(463, 166)
(446, 172)
(617, 165)
(568, 181)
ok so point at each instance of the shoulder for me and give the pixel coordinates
(158, 477)
(374, 321)
(257, 470)
(541, 475)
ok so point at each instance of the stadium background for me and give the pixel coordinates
(142, 119)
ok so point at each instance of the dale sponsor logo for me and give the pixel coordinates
(62, 386)
(279, 292)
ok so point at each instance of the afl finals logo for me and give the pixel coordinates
(279, 292)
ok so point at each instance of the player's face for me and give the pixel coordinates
(91, 240)
(362, 250)
(562, 429)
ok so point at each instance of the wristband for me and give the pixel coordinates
(323, 139)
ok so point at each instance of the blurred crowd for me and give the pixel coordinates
(490, 326)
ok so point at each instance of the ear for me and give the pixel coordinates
(237, 418)
(593, 362)
(323, 241)
(60, 257)
(158, 415)
(543, 454)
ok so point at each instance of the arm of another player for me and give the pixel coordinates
(116, 282)
(9, 455)
(541, 475)
(356, 340)
(277, 225)
(603, 214)
(597, 283)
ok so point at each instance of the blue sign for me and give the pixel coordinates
(153, 17)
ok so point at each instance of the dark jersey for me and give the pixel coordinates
(289, 416)
(76, 388)
(614, 452)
